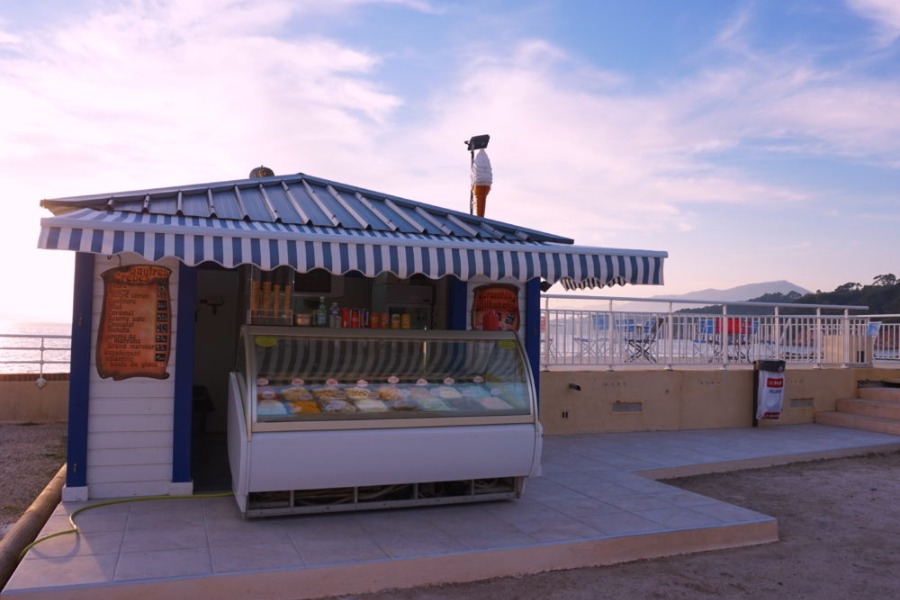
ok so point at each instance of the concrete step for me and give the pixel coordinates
(852, 421)
(870, 408)
(883, 394)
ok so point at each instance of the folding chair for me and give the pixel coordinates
(594, 344)
(640, 345)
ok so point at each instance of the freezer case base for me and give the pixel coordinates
(292, 502)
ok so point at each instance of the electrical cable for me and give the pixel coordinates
(74, 528)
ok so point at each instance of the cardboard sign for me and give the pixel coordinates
(496, 308)
(135, 324)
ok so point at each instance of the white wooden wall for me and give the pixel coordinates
(130, 422)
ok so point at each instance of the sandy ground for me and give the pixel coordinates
(30, 455)
(839, 523)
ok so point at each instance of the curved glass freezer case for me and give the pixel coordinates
(346, 419)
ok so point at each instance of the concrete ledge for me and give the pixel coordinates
(374, 576)
(761, 463)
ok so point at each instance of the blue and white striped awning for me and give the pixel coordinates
(195, 240)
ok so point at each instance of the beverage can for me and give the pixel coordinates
(405, 321)
(384, 320)
(395, 321)
(345, 317)
(354, 317)
(374, 321)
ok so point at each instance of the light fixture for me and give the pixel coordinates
(477, 142)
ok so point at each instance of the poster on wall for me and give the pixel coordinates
(495, 307)
(135, 323)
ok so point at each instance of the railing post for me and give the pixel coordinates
(847, 348)
(670, 328)
(818, 329)
(778, 334)
(723, 336)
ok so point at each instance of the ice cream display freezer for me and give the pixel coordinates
(347, 419)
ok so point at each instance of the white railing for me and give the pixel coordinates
(34, 353)
(887, 340)
(603, 333)
(605, 336)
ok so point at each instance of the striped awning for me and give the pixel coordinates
(267, 245)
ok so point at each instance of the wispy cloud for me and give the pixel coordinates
(885, 14)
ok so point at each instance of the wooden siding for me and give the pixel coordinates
(130, 422)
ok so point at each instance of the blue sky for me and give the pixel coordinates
(752, 140)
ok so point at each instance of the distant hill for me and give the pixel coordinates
(881, 297)
(741, 293)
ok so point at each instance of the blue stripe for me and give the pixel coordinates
(97, 242)
(219, 249)
(308, 260)
(255, 252)
(118, 242)
(426, 260)
(393, 259)
(410, 266)
(326, 256)
(361, 258)
(379, 262)
(344, 257)
(159, 246)
(75, 239)
(179, 246)
(292, 255)
(274, 254)
(53, 238)
(237, 255)
(442, 262)
(139, 242)
(198, 249)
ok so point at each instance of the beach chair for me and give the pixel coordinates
(594, 344)
(640, 342)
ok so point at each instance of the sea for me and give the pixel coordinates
(24, 354)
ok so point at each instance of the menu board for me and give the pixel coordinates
(135, 324)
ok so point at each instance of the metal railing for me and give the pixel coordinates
(35, 353)
(886, 346)
(605, 336)
(604, 333)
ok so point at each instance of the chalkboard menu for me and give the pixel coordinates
(135, 324)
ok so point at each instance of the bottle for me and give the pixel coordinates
(335, 315)
(322, 313)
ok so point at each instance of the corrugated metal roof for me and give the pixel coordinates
(307, 201)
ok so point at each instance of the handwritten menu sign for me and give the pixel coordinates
(135, 325)
(496, 308)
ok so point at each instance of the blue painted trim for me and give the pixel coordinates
(184, 373)
(456, 303)
(533, 331)
(80, 370)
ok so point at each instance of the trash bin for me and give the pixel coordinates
(768, 389)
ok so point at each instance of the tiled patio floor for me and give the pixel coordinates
(590, 507)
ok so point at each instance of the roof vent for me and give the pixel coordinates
(261, 171)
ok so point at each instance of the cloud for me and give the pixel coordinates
(885, 14)
(198, 84)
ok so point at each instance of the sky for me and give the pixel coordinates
(753, 140)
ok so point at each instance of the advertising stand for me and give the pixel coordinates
(768, 389)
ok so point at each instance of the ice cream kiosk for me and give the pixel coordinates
(353, 349)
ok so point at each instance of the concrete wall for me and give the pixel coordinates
(21, 401)
(667, 399)
(618, 401)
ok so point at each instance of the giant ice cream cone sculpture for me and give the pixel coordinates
(482, 179)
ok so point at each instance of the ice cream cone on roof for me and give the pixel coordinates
(482, 179)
